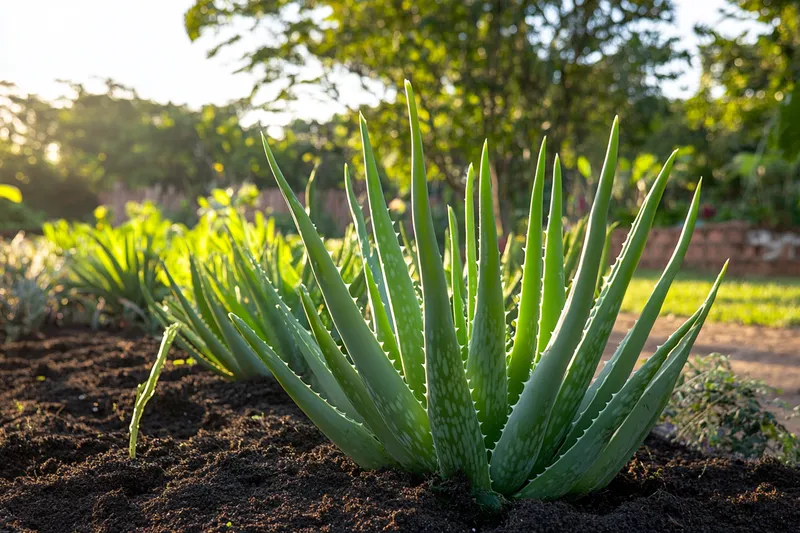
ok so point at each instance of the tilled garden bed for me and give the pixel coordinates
(219, 456)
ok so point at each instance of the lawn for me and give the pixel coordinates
(773, 302)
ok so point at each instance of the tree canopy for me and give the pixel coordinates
(509, 71)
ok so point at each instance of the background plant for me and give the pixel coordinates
(29, 285)
(714, 409)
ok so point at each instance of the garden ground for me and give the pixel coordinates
(218, 456)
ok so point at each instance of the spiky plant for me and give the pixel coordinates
(115, 265)
(29, 285)
(429, 386)
(262, 289)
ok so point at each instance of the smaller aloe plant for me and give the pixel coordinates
(29, 285)
(263, 290)
(428, 385)
(115, 265)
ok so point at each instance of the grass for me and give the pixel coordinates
(773, 302)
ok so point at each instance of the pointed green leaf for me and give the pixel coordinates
(457, 279)
(199, 325)
(471, 249)
(353, 386)
(383, 328)
(553, 283)
(574, 240)
(644, 415)
(617, 369)
(402, 412)
(571, 464)
(146, 390)
(367, 254)
(523, 352)
(246, 359)
(403, 304)
(601, 321)
(486, 362)
(453, 420)
(516, 452)
(351, 437)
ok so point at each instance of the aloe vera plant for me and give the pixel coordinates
(430, 386)
(261, 289)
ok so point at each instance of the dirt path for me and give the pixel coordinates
(770, 354)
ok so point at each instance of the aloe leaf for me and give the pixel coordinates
(350, 436)
(269, 308)
(248, 361)
(553, 291)
(575, 236)
(453, 420)
(601, 321)
(644, 415)
(604, 258)
(228, 290)
(146, 390)
(200, 299)
(409, 252)
(353, 386)
(457, 280)
(523, 352)
(383, 327)
(116, 273)
(369, 257)
(402, 412)
(506, 258)
(403, 304)
(187, 339)
(486, 362)
(519, 445)
(107, 268)
(326, 383)
(617, 369)
(215, 345)
(471, 249)
(588, 416)
(231, 288)
(557, 479)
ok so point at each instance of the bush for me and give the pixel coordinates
(712, 409)
(19, 216)
(28, 285)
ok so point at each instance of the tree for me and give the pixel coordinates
(748, 111)
(511, 71)
(61, 154)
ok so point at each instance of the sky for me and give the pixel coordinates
(143, 44)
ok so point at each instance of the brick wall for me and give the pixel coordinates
(751, 251)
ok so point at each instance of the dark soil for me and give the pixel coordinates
(219, 456)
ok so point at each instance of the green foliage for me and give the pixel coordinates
(111, 268)
(510, 72)
(744, 117)
(714, 409)
(145, 391)
(62, 154)
(29, 278)
(564, 434)
(253, 271)
(19, 216)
